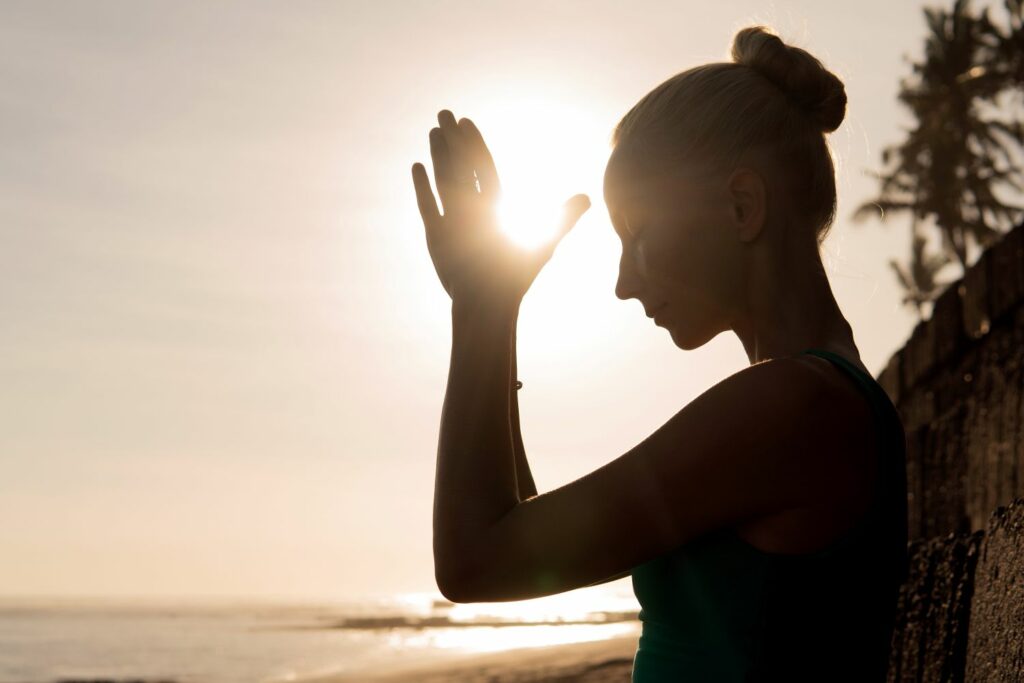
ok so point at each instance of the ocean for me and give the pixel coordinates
(46, 641)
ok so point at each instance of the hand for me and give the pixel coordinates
(473, 258)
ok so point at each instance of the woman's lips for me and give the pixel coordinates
(655, 310)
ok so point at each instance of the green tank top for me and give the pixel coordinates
(718, 609)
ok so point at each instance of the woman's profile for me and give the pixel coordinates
(764, 524)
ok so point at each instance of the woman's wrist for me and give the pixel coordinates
(506, 312)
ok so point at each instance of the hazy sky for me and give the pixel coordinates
(224, 347)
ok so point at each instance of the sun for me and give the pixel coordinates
(547, 148)
(528, 222)
(546, 151)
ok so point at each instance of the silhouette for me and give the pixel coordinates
(949, 171)
(764, 524)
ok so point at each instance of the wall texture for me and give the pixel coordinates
(958, 384)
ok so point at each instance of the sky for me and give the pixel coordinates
(224, 346)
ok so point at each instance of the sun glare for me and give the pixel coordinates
(528, 222)
(548, 147)
(546, 151)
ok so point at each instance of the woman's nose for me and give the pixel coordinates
(628, 284)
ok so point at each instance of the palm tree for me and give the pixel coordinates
(948, 171)
(918, 279)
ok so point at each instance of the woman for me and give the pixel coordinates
(764, 525)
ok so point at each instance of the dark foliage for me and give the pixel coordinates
(967, 99)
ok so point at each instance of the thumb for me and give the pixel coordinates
(571, 213)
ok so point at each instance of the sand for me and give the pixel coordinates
(605, 661)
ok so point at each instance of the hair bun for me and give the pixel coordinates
(803, 78)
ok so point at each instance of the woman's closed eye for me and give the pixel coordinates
(637, 249)
(637, 237)
(632, 230)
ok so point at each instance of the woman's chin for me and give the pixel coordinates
(688, 340)
(687, 344)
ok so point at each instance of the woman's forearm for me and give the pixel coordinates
(475, 479)
(524, 478)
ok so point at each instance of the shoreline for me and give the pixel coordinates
(599, 661)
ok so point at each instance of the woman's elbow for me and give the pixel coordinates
(452, 589)
(446, 576)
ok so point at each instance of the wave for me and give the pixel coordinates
(115, 680)
(414, 622)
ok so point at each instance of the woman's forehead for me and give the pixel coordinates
(629, 189)
(620, 178)
(628, 179)
(625, 184)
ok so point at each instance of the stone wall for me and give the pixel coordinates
(961, 611)
(958, 384)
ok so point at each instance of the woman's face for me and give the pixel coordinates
(679, 258)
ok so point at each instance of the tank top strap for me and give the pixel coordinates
(889, 427)
(890, 497)
(862, 378)
(880, 402)
(886, 414)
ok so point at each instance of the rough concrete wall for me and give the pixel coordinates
(930, 639)
(995, 643)
(958, 384)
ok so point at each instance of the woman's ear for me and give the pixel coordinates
(748, 203)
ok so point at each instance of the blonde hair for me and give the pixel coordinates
(772, 98)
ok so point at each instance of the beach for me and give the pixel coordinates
(604, 661)
(585, 635)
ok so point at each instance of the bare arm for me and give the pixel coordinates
(524, 478)
(479, 459)
(708, 467)
(475, 478)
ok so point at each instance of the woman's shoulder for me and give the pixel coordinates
(794, 409)
(802, 381)
(840, 426)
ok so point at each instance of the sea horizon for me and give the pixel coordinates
(236, 639)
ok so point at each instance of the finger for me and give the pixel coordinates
(441, 158)
(425, 197)
(571, 213)
(446, 120)
(459, 153)
(482, 160)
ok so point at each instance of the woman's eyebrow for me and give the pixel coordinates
(626, 206)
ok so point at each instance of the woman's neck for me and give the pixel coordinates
(789, 308)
